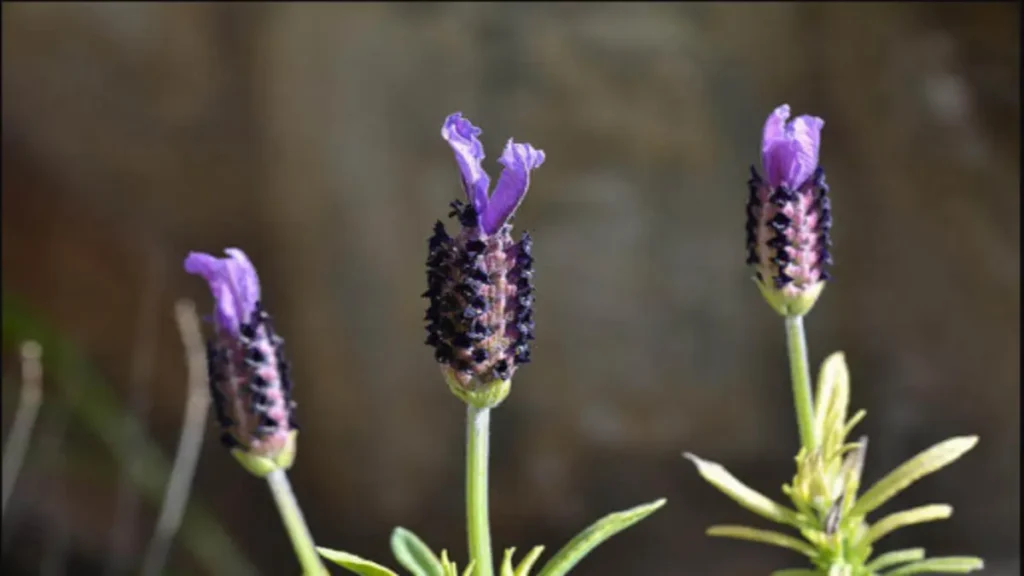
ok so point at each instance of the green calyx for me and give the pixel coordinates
(478, 394)
(789, 304)
(260, 465)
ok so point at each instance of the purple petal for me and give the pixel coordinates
(244, 281)
(806, 132)
(518, 160)
(789, 151)
(461, 135)
(211, 269)
(233, 283)
(774, 128)
(779, 161)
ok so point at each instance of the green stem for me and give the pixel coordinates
(294, 523)
(801, 375)
(478, 424)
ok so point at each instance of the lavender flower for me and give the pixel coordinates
(249, 381)
(789, 215)
(479, 282)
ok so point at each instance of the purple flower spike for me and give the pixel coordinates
(480, 281)
(789, 151)
(518, 160)
(461, 135)
(789, 215)
(249, 382)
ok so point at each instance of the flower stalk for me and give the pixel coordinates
(800, 373)
(294, 523)
(478, 527)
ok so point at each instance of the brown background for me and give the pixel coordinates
(308, 135)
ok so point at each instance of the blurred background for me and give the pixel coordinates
(308, 135)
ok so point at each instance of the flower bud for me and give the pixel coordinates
(479, 282)
(249, 381)
(789, 215)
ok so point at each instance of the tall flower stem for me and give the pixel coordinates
(478, 428)
(800, 373)
(295, 524)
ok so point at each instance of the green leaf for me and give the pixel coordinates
(451, 569)
(595, 534)
(506, 563)
(853, 468)
(524, 567)
(796, 572)
(414, 555)
(895, 557)
(354, 563)
(897, 520)
(447, 565)
(752, 500)
(833, 398)
(852, 423)
(912, 470)
(946, 565)
(528, 561)
(764, 537)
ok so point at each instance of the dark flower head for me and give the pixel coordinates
(479, 282)
(249, 382)
(789, 215)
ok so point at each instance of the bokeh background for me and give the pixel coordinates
(308, 135)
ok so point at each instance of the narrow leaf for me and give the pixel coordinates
(925, 463)
(354, 563)
(469, 569)
(449, 567)
(527, 564)
(595, 534)
(852, 423)
(752, 500)
(764, 537)
(897, 520)
(833, 396)
(946, 565)
(853, 468)
(506, 564)
(414, 555)
(895, 557)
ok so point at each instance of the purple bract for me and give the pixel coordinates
(492, 211)
(233, 282)
(789, 150)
